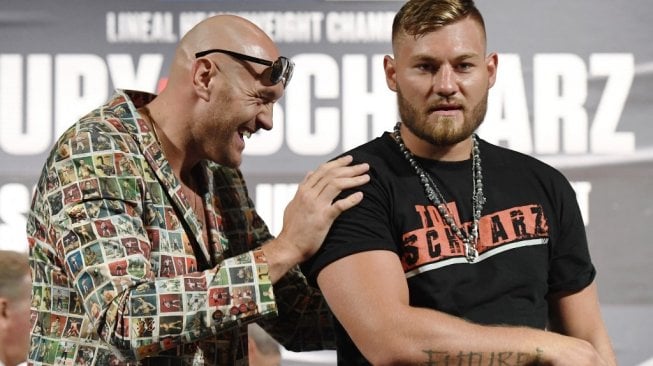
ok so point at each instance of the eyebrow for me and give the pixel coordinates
(430, 58)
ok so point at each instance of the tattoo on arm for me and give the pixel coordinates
(468, 358)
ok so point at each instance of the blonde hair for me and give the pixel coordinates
(419, 17)
(14, 266)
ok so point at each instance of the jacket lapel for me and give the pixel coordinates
(153, 153)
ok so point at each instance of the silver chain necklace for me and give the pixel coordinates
(469, 238)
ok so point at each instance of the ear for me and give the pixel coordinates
(492, 62)
(390, 72)
(203, 72)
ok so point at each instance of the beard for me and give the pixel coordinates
(220, 131)
(443, 131)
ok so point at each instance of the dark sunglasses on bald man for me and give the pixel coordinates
(280, 70)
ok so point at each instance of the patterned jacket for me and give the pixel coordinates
(122, 275)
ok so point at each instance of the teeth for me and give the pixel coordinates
(247, 134)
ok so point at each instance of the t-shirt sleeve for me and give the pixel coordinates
(571, 268)
(367, 226)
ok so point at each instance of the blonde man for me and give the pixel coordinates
(462, 252)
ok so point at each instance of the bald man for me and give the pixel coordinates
(15, 296)
(113, 249)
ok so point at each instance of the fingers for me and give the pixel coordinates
(335, 176)
(327, 169)
(331, 190)
(312, 210)
(320, 188)
(307, 177)
(346, 203)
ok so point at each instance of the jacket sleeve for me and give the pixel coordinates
(304, 321)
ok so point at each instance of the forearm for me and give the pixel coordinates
(374, 308)
(231, 294)
(578, 314)
(424, 336)
(421, 336)
(595, 334)
(603, 346)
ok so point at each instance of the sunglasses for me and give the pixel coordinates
(280, 70)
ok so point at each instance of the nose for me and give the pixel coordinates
(444, 81)
(264, 118)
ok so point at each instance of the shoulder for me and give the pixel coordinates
(383, 156)
(111, 126)
(375, 150)
(511, 168)
(516, 161)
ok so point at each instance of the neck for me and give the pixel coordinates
(173, 142)
(424, 149)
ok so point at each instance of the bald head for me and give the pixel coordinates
(222, 85)
(224, 31)
(15, 300)
(14, 268)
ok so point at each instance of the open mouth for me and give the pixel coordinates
(245, 133)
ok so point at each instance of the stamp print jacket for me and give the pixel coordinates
(122, 275)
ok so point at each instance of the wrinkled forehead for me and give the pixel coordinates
(249, 39)
(261, 50)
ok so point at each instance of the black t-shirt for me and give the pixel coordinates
(531, 243)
